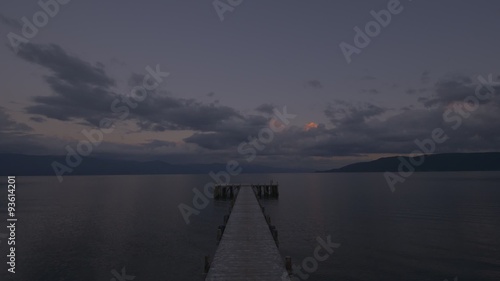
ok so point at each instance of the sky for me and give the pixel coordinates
(231, 64)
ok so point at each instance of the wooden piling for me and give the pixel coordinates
(220, 232)
(268, 219)
(206, 264)
(275, 236)
(219, 235)
(216, 192)
(288, 264)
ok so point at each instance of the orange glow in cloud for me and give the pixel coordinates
(311, 125)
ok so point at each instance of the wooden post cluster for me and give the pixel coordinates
(266, 190)
(223, 192)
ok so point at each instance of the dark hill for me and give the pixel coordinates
(488, 161)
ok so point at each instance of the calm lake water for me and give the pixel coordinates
(436, 226)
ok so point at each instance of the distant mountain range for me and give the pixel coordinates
(488, 161)
(31, 165)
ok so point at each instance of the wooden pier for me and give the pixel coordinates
(228, 191)
(248, 246)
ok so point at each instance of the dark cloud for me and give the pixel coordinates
(315, 84)
(37, 119)
(337, 111)
(117, 62)
(10, 22)
(370, 91)
(84, 91)
(229, 135)
(8, 125)
(216, 141)
(16, 137)
(360, 129)
(161, 112)
(152, 144)
(211, 94)
(64, 67)
(135, 79)
(81, 90)
(266, 108)
(408, 108)
(411, 91)
(368, 77)
(451, 90)
(345, 114)
(363, 128)
(425, 77)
